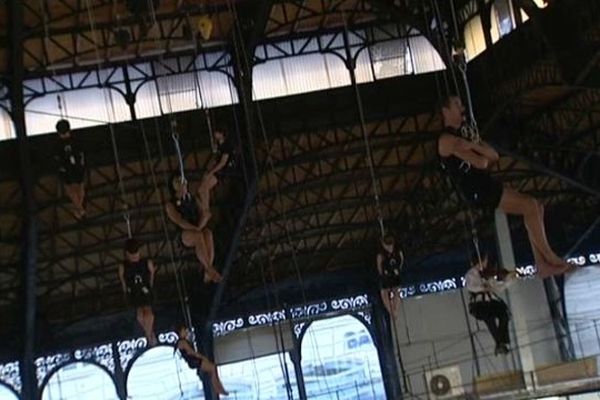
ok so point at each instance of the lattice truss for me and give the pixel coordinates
(314, 209)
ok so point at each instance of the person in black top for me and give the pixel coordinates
(389, 265)
(188, 212)
(137, 280)
(468, 163)
(71, 167)
(484, 283)
(197, 361)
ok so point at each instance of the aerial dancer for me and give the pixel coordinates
(71, 167)
(389, 266)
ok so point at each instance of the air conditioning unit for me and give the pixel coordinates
(444, 383)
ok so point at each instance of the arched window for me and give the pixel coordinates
(6, 393)
(161, 370)
(78, 381)
(583, 310)
(83, 108)
(7, 129)
(539, 3)
(339, 360)
(266, 377)
(502, 20)
(474, 37)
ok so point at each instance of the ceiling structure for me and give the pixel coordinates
(309, 210)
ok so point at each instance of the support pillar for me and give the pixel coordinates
(382, 337)
(536, 344)
(297, 361)
(28, 212)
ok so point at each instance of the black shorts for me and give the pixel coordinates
(480, 189)
(194, 363)
(484, 309)
(390, 282)
(71, 175)
(139, 299)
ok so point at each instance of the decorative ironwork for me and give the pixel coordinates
(103, 355)
(224, 327)
(10, 375)
(168, 337)
(350, 302)
(128, 349)
(366, 315)
(311, 309)
(48, 364)
(298, 327)
(267, 318)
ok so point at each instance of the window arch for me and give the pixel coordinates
(7, 128)
(83, 108)
(6, 393)
(80, 380)
(340, 359)
(161, 370)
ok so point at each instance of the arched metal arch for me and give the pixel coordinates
(354, 314)
(141, 353)
(10, 389)
(58, 367)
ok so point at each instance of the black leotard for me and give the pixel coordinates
(391, 268)
(188, 208)
(191, 361)
(475, 185)
(137, 281)
(71, 161)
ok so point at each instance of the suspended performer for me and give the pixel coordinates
(226, 150)
(71, 167)
(137, 281)
(197, 361)
(185, 210)
(484, 283)
(467, 163)
(389, 266)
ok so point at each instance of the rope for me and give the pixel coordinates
(179, 286)
(365, 134)
(125, 207)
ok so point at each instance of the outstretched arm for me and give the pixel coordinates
(487, 151)
(177, 219)
(220, 165)
(463, 149)
(122, 278)
(151, 270)
(380, 264)
(185, 346)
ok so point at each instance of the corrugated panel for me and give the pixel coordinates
(474, 39)
(83, 108)
(424, 56)
(7, 129)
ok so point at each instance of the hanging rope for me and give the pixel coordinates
(180, 287)
(369, 153)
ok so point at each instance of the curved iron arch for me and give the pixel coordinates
(57, 368)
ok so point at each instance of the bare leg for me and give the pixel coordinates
(145, 317)
(196, 240)
(208, 182)
(395, 300)
(210, 369)
(513, 202)
(72, 192)
(385, 297)
(81, 197)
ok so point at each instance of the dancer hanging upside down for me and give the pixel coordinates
(137, 279)
(466, 162)
(191, 214)
(71, 167)
(389, 266)
(197, 361)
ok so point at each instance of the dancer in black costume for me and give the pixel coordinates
(389, 267)
(467, 163)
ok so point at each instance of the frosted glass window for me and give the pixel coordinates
(502, 20)
(583, 310)
(7, 129)
(83, 108)
(80, 381)
(474, 38)
(264, 378)
(339, 360)
(161, 374)
(7, 394)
